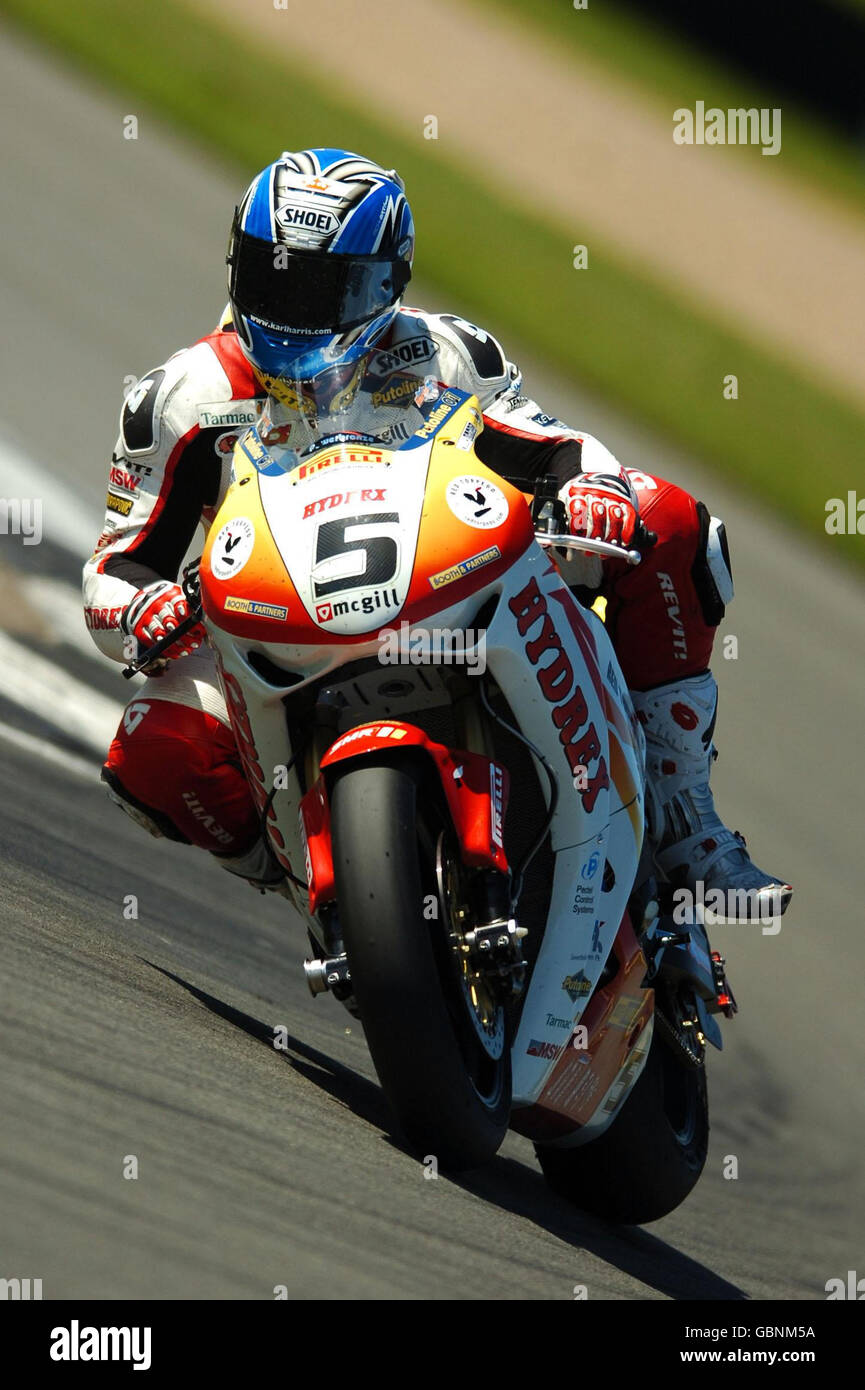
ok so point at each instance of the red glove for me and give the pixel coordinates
(157, 610)
(603, 507)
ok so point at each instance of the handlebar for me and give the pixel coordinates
(569, 542)
(547, 539)
(153, 653)
(549, 515)
(192, 589)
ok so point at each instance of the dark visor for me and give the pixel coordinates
(302, 290)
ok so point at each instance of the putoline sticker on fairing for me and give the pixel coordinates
(349, 549)
(232, 548)
(446, 405)
(477, 502)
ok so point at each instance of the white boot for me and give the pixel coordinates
(693, 848)
(260, 867)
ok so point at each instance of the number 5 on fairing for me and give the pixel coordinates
(349, 565)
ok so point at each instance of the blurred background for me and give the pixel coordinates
(524, 130)
(701, 309)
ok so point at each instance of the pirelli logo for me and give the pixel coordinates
(123, 505)
(464, 567)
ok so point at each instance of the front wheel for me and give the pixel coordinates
(650, 1158)
(440, 1046)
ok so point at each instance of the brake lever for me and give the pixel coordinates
(153, 653)
(549, 516)
(568, 542)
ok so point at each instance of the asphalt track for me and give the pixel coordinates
(153, 1036)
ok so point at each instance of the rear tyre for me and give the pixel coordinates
(650, 1158)
(447, 1078)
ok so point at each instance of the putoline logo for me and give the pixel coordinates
(577, 986)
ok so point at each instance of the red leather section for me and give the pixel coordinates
(653, 609)
(185, 764)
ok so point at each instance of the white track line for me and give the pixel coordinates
(45, 689)
(65, 521)
(59, 757)
(34, 683)
(62, 608)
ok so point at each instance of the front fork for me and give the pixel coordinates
(470, 721)
(474, 788)
(472, 725)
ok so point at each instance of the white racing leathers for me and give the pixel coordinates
(171, 463)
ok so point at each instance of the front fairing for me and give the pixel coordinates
(335, 540)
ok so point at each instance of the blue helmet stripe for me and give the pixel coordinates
(328, 157)
(360, 229)
(258, 217)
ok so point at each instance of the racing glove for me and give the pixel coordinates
(603, 507)
(154, 612)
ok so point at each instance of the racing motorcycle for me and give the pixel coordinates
(448, 767)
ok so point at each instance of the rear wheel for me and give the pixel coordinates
(439, 1041)
(650, 1158)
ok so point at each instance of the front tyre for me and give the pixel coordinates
(447, 1079)
(650, 1158)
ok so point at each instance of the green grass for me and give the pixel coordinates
(670, 72)
(646, 349)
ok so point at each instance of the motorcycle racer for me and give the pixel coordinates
(320, 255)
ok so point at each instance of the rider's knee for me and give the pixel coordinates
(691, 546)
(711, 571)
(176, 771)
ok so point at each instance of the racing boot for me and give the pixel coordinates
(692, 847)
(261, 869)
